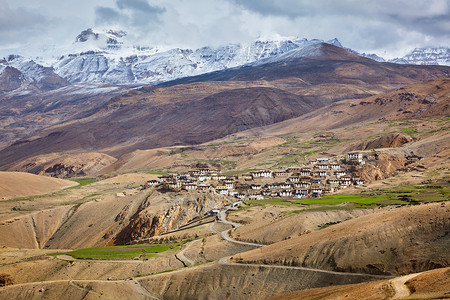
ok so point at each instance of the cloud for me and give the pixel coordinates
(363, 24)
(107, 15)
(371, 26)
(139, 5)
(129, 13)
(20, 24)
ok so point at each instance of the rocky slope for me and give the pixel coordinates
(425, 99)
(107, 56)
(17, 72)
(427, 285)
(392, 140)
(222, 103)
(145, 223)
(401, 241)
(426, 56)
(124, 218)
(66, 165)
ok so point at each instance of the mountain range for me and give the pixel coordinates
(192, 110)
(108, 57)
(164, 149)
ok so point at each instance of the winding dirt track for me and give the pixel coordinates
(225, 260)
(398, 284)
(180, 255)
(225, 234)
(136, 285)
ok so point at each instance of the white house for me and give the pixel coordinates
(322, 160)
(189, 186)
(285, 186)
(285, 193)
(323, 167)
(256, 186)
(355, 157)
(302, 192)
(294, 179)
(262, 173)
(340, 173)
(222, 190)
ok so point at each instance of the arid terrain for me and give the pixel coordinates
(90, 209)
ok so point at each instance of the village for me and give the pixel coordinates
(315, 179)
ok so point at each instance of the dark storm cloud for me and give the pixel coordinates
(106, 15)
(138, 13)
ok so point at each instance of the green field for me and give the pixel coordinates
(271, 201)
(338, 199)
(124, 252)
(161, 173)
(394, 196)
(83, 181)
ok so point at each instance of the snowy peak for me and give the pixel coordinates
(103, 39)
(86, 35)
(109, 56)
(427, 56)
(118, 63)
(24, 71)
(335, 42)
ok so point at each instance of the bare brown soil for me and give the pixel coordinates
(65, 165)
(392, 140)
(271, 224)
(373, 241)
(18, 184)
(400, 241)
(433, 284)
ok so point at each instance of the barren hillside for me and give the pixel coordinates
(18, 184)
(433, 284)
(400, 241)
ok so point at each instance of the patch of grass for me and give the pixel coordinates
(18, 199)
(409, 130)
(123, 252)
(227, 164)
(360, 200)
(82, 181)
(161, 173)
(272, 202)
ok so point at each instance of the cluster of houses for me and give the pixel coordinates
(313, 180)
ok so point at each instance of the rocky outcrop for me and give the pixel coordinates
(146, 222)
(66, 165)
(383, 167)
(392, 140)
(11, 79)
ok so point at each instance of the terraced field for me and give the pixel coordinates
(125, 252)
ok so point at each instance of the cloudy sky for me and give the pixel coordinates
(389, 28)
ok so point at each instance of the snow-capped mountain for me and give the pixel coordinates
(108, 56)
(368, 55)
(17, 71)
(110, 60)
(426, 56)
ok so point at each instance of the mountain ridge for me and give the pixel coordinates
(108, 57)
